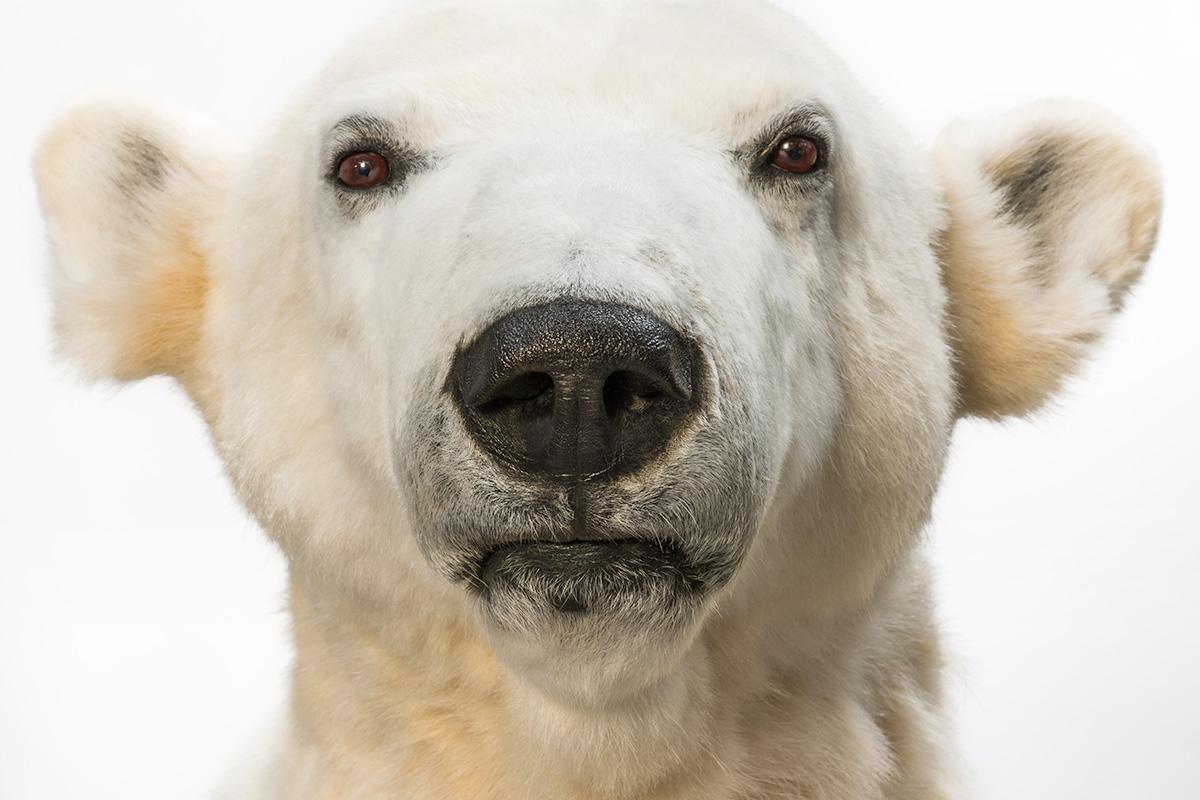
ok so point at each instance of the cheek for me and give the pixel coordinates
(814, 399)
(354, 257)
(353, 354)
(356, 381)
(801, 391)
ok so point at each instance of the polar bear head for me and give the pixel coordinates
(591, 323)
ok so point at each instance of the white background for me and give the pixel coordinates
(142, 636)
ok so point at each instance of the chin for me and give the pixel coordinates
(592, 621)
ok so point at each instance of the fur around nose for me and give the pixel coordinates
(573, 389)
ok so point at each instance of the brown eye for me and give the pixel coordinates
(796, 154)
(362, 170)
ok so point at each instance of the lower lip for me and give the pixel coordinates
(622, 565)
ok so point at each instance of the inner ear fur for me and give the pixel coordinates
(1052, 212)
(130, 198)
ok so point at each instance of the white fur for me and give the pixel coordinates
(584, 149)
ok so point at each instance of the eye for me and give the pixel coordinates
(364, 170)
(797, 155)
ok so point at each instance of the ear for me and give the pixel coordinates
(1052, 213)
(130, 198)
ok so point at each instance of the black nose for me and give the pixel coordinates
(575, 390)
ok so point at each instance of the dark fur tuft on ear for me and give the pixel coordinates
(1052, 213)
(130, 199)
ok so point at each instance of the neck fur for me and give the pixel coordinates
(433, 710)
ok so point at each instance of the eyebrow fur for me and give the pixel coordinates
(365, 132)
(807, 119)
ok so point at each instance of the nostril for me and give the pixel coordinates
(534, 391)
(628, 391)
(574, 390)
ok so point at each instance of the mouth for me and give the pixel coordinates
(588, 576)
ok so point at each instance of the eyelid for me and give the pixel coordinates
(361, 133)
(346, 150)
(810, 121)
(764, 157)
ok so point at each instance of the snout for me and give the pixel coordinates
(574, 390)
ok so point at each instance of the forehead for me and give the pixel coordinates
(714, 67)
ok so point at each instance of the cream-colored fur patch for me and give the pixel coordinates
(131, 196)
(1032, 281)
(543, 150)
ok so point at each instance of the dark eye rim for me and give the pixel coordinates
(767, 153)
(818, 163)
(402, 160)
(361, 149)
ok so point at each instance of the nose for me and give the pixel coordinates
(574, 389)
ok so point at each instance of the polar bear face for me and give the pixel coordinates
(592, 322)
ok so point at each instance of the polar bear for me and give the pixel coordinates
(594, 364)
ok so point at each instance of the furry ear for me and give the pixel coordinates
(1052, 212)
(130, 199)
